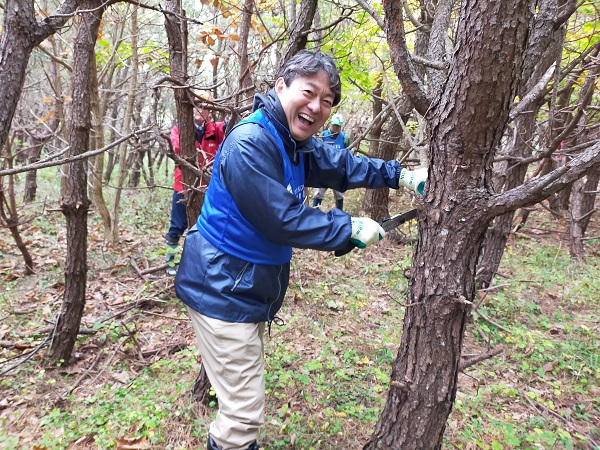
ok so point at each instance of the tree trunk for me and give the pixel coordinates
(467, 124)
(75, 204)
(178, 38)
(126, 128)
(376, 202)
(583, 198)
(246, 75)
(97, 141)
(299, 29)
(177, 34)
(20, 34)
(110, 164)
(498, 233)
(116, 107)
(30, 191)
(9, 216)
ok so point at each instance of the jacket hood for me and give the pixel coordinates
(270, 103)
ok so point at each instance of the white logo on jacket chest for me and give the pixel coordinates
(298, 192)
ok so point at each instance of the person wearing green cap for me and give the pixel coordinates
(335, 137)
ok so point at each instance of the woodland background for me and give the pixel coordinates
(475, 327)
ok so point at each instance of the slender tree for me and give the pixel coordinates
(75, 204)
(177, 33)
(127, 122)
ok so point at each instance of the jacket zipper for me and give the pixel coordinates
(240, 276)
(270, 321)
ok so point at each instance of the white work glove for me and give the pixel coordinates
(414, 179)
(365, 232)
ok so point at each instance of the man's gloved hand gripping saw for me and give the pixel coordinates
(366, 231)
(372, 231)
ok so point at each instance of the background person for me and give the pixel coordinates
(208, 135)
(335, 137)
(235, 266)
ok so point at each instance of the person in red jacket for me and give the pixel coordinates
(209, 136)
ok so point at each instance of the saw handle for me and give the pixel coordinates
(351, 246)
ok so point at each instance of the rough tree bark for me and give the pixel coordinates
(246, 77)
(299, 29)
(20, 34)
(177, 34)
(97, 141)
(583, 198)
(466, 123)
(544, 47)
(545, 44)
(75, 204)
(376, 201)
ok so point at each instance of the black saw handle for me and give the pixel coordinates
(351, 246)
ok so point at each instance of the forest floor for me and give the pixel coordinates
(128, 384)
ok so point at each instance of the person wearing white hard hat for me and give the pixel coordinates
(337, 139)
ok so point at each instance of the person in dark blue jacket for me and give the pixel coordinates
(336, 138)
(235, 265)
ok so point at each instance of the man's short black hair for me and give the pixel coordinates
(306, 63)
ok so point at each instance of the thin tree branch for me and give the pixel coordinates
(537, 189)
(371, 11)
(402, 59)
(413, 19)
(476, 359)
(48, 163)
(534, 94)
(443, 65)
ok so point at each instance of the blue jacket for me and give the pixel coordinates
(336, 140)
(249, 166)
(222, 223)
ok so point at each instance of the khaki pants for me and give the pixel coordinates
(233, 357)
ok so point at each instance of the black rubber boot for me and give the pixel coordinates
(211, 445)
(317, 202)
(339, 204)
(170, 258)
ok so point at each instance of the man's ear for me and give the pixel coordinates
(279, 85)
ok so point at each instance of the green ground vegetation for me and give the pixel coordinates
(328, 363)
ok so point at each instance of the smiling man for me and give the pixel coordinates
(235, 265)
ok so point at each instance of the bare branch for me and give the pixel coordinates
(402, 59)
(533, 95)
(55, 58)
(371, 11)
(476, 359)
(537, 189)
(413, 19)
(49, 163)
(568, 9)
(443, 65)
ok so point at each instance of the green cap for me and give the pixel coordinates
(337, 119)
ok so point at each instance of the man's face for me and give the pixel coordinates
(307, 103)
(200, 116)
(336, 128)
